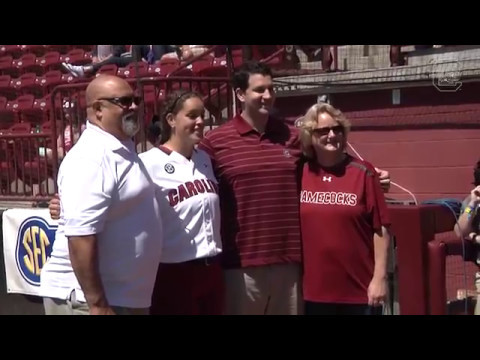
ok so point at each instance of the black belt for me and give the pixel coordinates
(205, 261)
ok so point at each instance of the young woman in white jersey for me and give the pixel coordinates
(189, 279)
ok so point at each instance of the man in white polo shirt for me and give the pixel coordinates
(108, 243)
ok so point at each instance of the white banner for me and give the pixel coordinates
(28, 236)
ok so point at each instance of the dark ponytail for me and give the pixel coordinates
(154, 131)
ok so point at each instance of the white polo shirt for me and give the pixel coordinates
(105, 190)
(187, 191)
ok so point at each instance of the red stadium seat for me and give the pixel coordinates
(25, 102)
(50, 61)
(165, 66)
(27, 109)
(27, 84)
(68, 78)
(76, 57)
(6, 88)
(237, 57)
(217, 69)
(88, 57)
(79, 99)
(24, 106)
(85, 47)
(7, 169)
(31, 168)
(26, 63)
(168, 65)
(12, 108)
(149, 95)
(154, 70)
(203, 63)
(62, 49)
(152, 101)
(20, 129)
(38, 50)
(50, 80)
(3, 102)
(41, 109)
(6, 66)
(43, 104)
(10, 50)
(109, 69)
(6, 116)
(131, 70)
(7, 158)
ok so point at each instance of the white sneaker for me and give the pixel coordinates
(75, 70)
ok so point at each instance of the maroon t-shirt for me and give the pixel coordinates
(258, 191)
(340, 208)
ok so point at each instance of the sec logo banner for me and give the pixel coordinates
(34, 246)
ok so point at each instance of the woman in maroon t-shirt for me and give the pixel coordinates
(343, 221)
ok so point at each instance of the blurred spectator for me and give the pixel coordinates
(64, 142)
(396, 56)
(102, 55)
(318, 53)
(313, 52)
(151, 53)
(68, 132)
(103, 52)
(120, 56)
(186, 52)
(468, 225)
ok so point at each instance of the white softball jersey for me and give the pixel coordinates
(187, 192)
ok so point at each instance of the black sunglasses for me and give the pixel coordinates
(124, 101)
(337, 129)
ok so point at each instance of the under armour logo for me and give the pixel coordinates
(286, 153)
(329, 179)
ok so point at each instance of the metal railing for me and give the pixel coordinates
(24, 172)
(30, 161)
(28, 174)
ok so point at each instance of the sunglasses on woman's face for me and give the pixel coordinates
(337, 129)
(124, 101)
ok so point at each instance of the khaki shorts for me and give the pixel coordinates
(72, 306)
(264, 290)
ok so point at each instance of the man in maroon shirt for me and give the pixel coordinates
(256, 158)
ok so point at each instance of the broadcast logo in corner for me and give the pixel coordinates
(34, 246)
(446, 76)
